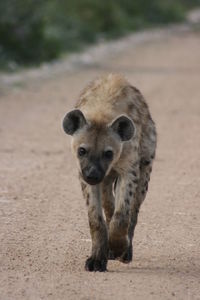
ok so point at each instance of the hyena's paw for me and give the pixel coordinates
(127, 256)
(94, 264)
(117, 247)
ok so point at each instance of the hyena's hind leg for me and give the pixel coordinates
(119, 243)
(142, 187)
(148, 148)
(134, 179)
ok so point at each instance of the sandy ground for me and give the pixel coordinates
(44, 234)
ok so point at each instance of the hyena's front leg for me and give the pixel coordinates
(99, 256)
(120, 243)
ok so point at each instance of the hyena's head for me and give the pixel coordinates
(97, 146)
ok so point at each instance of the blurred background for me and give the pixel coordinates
(33, 31)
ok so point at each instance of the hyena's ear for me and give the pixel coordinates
(73, 121)
(124, 127)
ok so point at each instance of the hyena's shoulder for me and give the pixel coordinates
(109, 96)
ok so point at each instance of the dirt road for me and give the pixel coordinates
(44, 234)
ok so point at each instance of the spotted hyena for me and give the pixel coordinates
(114, 141)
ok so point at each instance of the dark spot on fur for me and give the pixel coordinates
(100, 219)
(145, 162)
(153, 156)
(137, 210)
(143, 192)
(130, 193)
(135, 181)
(134, 173)
(127, 201)
(130, 185)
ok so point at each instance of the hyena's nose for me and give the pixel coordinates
(93, 175)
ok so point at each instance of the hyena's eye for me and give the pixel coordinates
(108, 154)
(81, 151)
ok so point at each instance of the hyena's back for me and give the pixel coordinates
(108, 97)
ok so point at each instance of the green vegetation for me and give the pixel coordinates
(32, 31)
